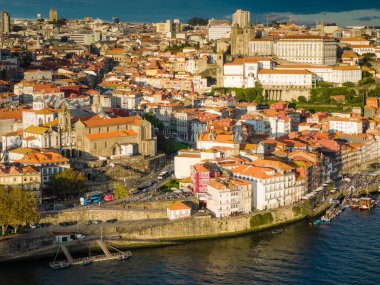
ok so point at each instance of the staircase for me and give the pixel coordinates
(67, 254)
(104, 248)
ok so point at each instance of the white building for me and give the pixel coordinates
(243, 72)
(363, 49)
(228, 196)
(178, 211)
(307, 49)
(261, 47)
(219, 32)
(37, 116)
(334, 74)
(278, 78)
(273, 185)
(346, 125)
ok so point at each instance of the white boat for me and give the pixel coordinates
(58, 265)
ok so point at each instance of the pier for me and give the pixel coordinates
(107, 256)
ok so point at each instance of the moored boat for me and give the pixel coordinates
(58, 265)
(367, 203)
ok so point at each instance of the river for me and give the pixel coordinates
(346, 251)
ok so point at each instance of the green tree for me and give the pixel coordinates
(68, 183)
(302, 99)
(17, 207)
(5, 215)
(120, 191)
(348, 84)
(23, 208)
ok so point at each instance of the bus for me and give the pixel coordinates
(163, 175)
(93, 198)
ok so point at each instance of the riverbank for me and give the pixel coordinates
(195, 228)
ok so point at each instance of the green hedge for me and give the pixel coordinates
(261, 219)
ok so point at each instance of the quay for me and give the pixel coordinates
(107, 256)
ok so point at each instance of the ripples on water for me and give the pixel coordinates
(344, 252)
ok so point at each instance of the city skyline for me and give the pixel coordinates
(353, 13)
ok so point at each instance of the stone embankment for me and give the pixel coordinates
(207, 227)
(93, 213)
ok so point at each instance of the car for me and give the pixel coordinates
(80, 236)
(112, 221)
(63, 224)
(97, 222)
(33, 226)
(89, 222)
(45, 225)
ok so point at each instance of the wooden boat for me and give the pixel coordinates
(58, 264)
(367, 203)
(355, 201)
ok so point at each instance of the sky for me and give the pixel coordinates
(343, 12)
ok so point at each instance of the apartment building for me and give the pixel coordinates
(226, 196)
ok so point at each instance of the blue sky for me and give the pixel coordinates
(345, 12)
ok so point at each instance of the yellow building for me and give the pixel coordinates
(27, 178)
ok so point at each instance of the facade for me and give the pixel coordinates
(273, 185)
(346, 125)
(49, 163)
(27, 178)
(218, 32)
(106, 137)
(307, 49)
(226, 196)
(5, 23)
(178, 211)
(261, 47)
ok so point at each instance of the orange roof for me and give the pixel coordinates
(178, 206)
(97, 121)
(111, 135)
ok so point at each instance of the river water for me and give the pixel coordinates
(346, 251)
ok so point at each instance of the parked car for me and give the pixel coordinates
(80, 236)
(97, 222)
(112, 221)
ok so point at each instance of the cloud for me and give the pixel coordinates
(368, 18)
(344, 18)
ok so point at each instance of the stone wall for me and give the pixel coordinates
(12, 246)
(85, 214)
(203, 227)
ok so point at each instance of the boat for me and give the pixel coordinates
(355, 201)
(86, 262)
(58, 265)
(317, 222)
(276, 232)
(367, 203)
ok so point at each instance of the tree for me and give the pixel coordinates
(17, 207)
(348, 84)
(302, 99)
(5, 217)
(120, 191)
(23, 208)
(68, 183)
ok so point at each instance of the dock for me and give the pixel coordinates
(107, 256)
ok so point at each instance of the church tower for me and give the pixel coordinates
(220, 68)
(64, 118)
(96, 107)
